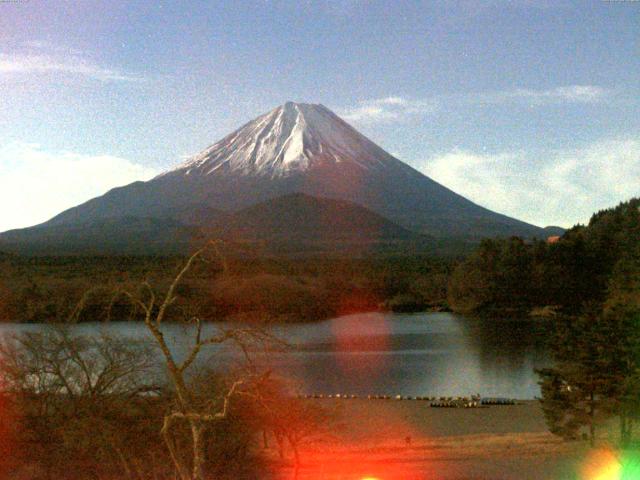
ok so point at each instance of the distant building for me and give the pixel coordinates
(553, 239)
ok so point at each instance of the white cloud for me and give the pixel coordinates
(36, 185)
(368, 113)
(385, 109)
(563, 190)
(395, 108)
(13, 64)
(38, 58)
(390, 101)
(48, 47)
(579, 93)
(566, 94)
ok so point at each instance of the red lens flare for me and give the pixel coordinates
(359, 354)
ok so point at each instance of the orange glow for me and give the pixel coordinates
(358, 301)
(386, 456)
(602, 465)
(606, 464)
(347, 341)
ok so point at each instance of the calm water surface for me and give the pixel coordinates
(407, 354)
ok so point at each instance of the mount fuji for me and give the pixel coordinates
(295, 149)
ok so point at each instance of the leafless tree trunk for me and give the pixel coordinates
(592, 424)
(188, 412)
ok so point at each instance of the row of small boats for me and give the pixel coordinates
(437, 402)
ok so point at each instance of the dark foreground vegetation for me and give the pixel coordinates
(77, 407)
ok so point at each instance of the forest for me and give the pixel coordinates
(589, 265)
(587, 283)
(502, 277)
(82, 288)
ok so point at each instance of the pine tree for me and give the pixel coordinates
(580, 391)
(622, 309)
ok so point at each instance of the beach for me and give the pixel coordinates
(408, 439)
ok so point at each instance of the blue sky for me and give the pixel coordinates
(530, 108)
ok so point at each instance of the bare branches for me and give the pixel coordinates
(75, 313)
(227, 400)
(166, 430)
(75, 370)
(192, 410)
(170, 297)
(85, 392)
(199, 343)
(145, 308)
(196, 414)
(94, 383)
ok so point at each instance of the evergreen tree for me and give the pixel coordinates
(497, 277)
(622, 309)
(580, 391)
(512, 276)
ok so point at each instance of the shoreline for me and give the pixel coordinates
(408, 440)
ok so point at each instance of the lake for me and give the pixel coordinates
(434, 354)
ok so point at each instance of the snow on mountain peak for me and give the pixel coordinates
(291, 138)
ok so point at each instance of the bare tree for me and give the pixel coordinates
(189, 410)
(294, 421)
(79, 394)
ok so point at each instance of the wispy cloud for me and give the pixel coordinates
(386, 109)
(49, 47)
(390, 101)
(44, 183)
(566, 94)
(38, 58)
(564, 189)
(395, 108)
(368, 113)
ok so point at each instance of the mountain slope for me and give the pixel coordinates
(292, 224)
(299, 217)
(293, 138)
(298, 148)
(123, 235)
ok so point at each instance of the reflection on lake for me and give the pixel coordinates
(373, 353)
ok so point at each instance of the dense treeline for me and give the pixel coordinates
(503, 276)
(591, 277)
(596, 375)
(60, 289)
(513, 276)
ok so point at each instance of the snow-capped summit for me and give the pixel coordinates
(291, 138)
(299, 148)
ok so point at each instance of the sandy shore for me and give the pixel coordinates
(388, 419)
(393, 440)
